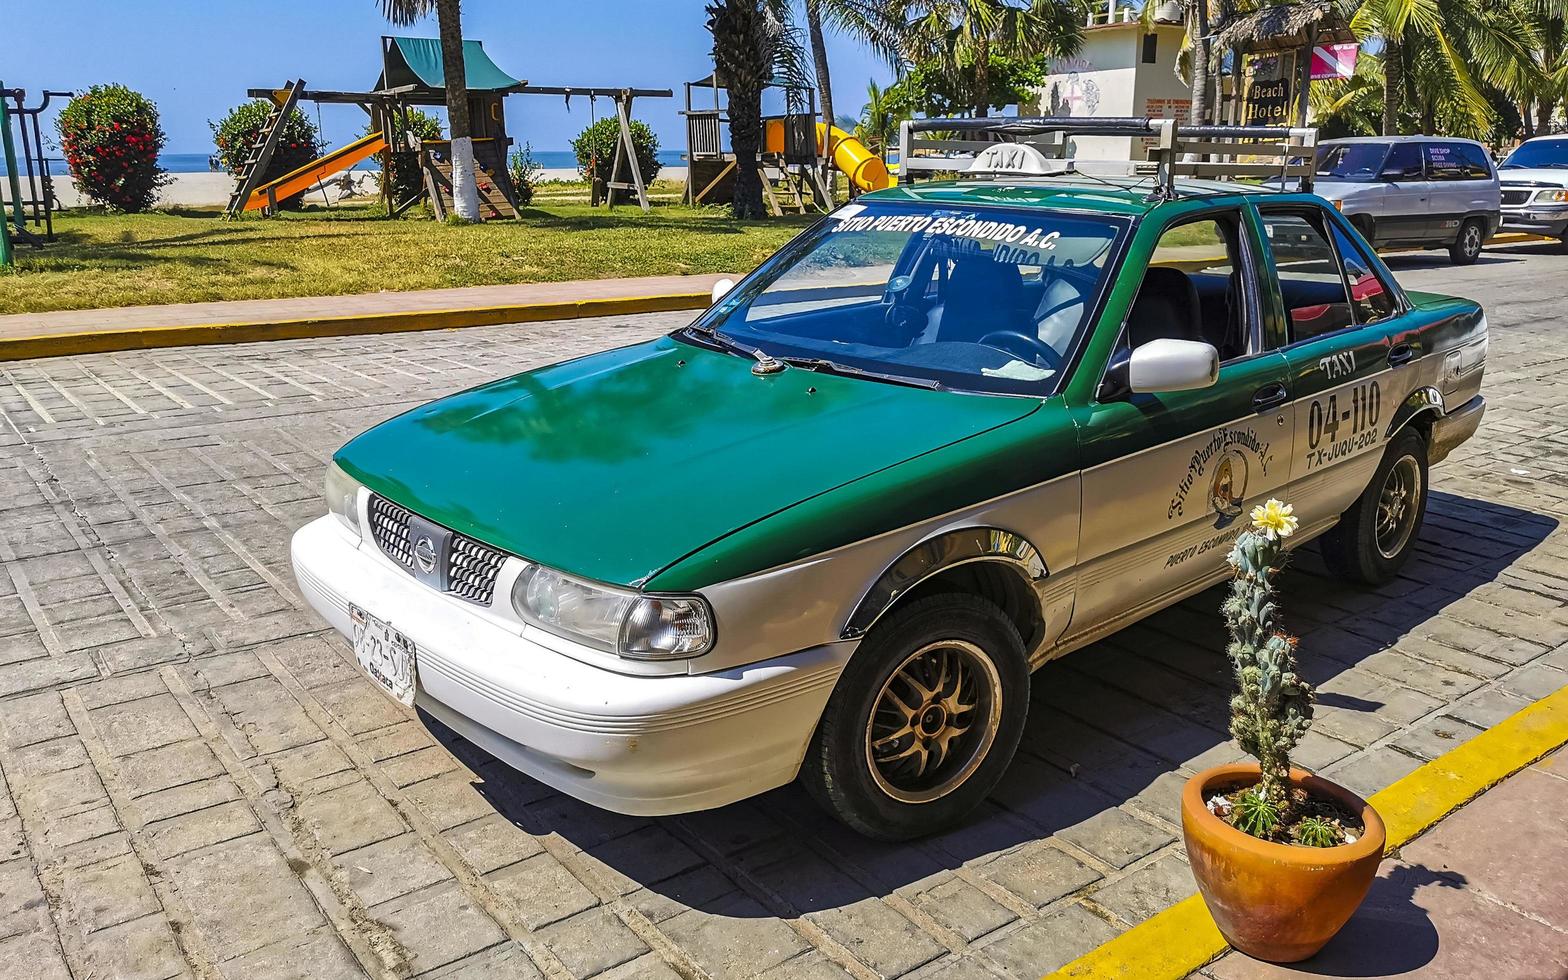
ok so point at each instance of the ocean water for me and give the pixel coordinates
(196, 163)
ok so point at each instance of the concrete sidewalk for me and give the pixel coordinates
(1483, 894)
(128, 328)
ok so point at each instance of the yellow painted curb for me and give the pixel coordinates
(1184, 938)
(99, 341)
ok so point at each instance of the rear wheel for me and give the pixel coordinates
(924, 720)
(1467, 247)
(1375, 537)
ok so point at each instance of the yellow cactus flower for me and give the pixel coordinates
(1273, 519)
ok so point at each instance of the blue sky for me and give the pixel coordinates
(196, 59)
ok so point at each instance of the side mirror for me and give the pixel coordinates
(721, 287)
(1172, 365)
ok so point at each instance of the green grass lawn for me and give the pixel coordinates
(183, 256)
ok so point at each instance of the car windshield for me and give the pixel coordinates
(975, 299)
(1539, 153)
(1351, 161)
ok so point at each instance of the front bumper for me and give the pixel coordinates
(1552, 223)
(1454, 428)
(643, 745)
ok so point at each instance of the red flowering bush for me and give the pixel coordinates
(111, 138)
(235, 135)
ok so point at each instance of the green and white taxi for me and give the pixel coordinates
(952, 431)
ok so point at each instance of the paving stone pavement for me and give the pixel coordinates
(196, 781)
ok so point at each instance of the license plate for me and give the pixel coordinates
(386, 654)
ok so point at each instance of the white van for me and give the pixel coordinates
(1426, 191)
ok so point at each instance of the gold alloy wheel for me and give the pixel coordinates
(933, 722)
(1397, 506)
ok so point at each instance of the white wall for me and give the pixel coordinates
(1107, 78)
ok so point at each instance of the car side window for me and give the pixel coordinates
(1456, 161)
(1403, 163)
(1311, 282)
(1193, 289)
(1370, 298)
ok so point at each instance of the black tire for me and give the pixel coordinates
(1353, 548)
(840, 771)
(1467, 245)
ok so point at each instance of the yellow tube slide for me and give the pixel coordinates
(864, 168)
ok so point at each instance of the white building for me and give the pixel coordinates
(1120, 71)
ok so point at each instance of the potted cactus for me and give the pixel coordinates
(1282, 857)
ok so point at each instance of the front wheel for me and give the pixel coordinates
(924, 719)
(1375, 537)
(1467, 247)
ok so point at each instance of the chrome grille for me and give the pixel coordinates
(1516, 197)
(471, 567)
(389, 528)
(471, 570)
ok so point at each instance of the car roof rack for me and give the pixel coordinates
(1038, 146)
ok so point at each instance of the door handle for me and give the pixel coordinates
(1268, 396)
(1400, 354)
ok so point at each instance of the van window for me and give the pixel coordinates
(1403, 163)
(1456, 161)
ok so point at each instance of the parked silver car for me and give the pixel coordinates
(1535, 187)
(1426, 191)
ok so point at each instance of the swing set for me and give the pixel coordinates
(413, 74)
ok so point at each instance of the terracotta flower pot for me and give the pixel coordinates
(1277, 902)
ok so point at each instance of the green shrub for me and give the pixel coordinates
(111, 139)
(235, 135)
(596, 146)
(525, 173)
(407, 179)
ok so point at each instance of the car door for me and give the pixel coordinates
(1405, 196)
(1449, 199)
(1168, 477)
(1336, 308)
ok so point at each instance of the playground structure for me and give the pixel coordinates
(29, 197)
(796, 150)
(412, 75)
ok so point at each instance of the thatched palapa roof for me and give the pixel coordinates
(1286, 26)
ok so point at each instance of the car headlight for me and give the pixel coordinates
(626, 623)
(1559, 196)
(342, 493)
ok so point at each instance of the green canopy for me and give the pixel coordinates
(417, 61)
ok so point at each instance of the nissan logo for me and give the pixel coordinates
(425, 554)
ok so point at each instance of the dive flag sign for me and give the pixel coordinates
(1334, 60)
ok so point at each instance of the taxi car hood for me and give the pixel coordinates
(616, 465)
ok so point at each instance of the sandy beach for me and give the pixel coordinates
(213, 189)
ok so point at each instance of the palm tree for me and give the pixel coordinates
(879, 119)
(465, 188)
(1448, 48)
(747, 37)
(964, 34)
(876, 25)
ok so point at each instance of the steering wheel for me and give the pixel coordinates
(905, 320)
(1036, 347)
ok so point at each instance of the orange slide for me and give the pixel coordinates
(306, 177)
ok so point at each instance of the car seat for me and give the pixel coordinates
(981, 296)
(1166, 307)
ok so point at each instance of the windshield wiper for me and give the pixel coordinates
(825, 366)
(819, 364)
(766, 363)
